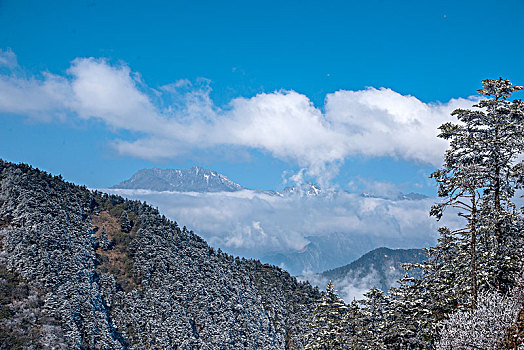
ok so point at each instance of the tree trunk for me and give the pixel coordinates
(473, 250)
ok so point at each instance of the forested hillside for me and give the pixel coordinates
(87, 270)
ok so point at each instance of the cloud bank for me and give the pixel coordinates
(179, 118)
(257, 225)
(354, 286)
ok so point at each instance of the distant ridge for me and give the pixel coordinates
(412, 196)
(383, 261)
(195, 179)
(380, 268)
(202, 180)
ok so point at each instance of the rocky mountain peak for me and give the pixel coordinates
(195, 179)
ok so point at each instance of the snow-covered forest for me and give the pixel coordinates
(87, 270)
(82, 269)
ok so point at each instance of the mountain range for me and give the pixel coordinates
(201, 180)
(399, 196)
(197, 179)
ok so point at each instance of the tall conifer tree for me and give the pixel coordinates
(328, 326)
(479, 178)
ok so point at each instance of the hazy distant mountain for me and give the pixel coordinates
(383, 261)
(188, 180)
(379, 268)
(323, 252)
(309, 189)
(412, 196)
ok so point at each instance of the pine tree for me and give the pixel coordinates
(460, 183)
(328, 327)
(354, 320)
(444, 284)
(479, 178)
(501, 143)
(407, 317)
(370, 333)
(104, 239)
(125, 223)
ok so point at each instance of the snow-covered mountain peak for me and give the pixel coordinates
(195, 179)
(307, 189)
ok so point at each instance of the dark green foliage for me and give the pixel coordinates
(125, 223)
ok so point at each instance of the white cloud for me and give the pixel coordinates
(112, 95)
(382, 122)
(180, 118)
(381, 189)
(43, 99)
(354, 285)
(8, 58)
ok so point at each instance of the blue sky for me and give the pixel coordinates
(232, 69)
